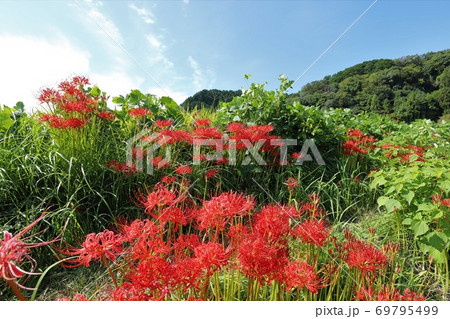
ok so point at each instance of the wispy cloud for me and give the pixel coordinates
(201, 79)
(106, 24)
(145, 14)
(157, 54)
(155, 42)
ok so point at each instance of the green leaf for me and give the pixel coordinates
(425, 207)
(95, 91)
(407, 221)
(409, 197)
(378, 181)
(5, 121)
(382, 200)
(390, 203)
(419, 228)
(413, 158)
(20, 106)
(118, 100)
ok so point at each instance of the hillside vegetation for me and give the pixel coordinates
(411, 87)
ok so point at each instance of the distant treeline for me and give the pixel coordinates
(416, 86)
(210, 98)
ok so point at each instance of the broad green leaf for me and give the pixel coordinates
(425, 207)
(419, 228)
(407, 221)
(382, 200)
(95, 91)
(118, 99)
(409, 197)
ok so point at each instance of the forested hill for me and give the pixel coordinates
(210, 98)
(416, 86)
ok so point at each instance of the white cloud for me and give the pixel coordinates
(201, 79)
(156, 54)
(177, 96)
(144, 13)
(103, 23)
(155, 42)
(186, 1)
(27, 64)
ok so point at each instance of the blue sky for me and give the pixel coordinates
(179, 47)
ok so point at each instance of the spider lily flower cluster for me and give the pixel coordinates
(15, 256)
(238, 144)
(231, 248)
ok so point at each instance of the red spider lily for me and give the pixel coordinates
(49, 118)
(172, 214)
(312, 209)
(168, 179)
(139, 112)
(128, 292)
(187, 273)
(138, 229)
(49, 96)
(77, 297)
(235, 127)
(261, 128)
(292, 183)
(77, 107)
(409, 295)
(157, 199)
(312, 232)
(153, 273)
(185, 245)
(199, 157)
(365, 257)
(148, 244)
(355, 133)
(301, 275)
(138, 153)
(69, 123)
(403, 152)
(174, 136)
(207, 133)
(272, 223)
(436, 199)
(218, 211)
(445, 202)
(160, 163)
(163, 123)
(237, 233)
(253, 134)
(80, 80)
(122, 167)
(96, 247)
(184, 169)
(202, 122)
(357, 142)
(390, 250)
(262, 260)
(211, 173)
(108, 116)
(211, 256)
(386, 293)
(57, 121)
(14, 251)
